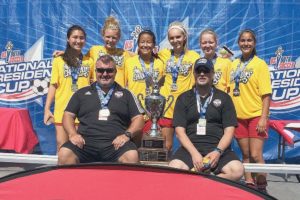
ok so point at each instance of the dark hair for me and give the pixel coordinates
(253, 36)
(149, 32)
(70, 54)
(106, 59)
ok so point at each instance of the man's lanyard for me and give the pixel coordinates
(175, 66)
(75, 71)
(104, 99)
(203, 108)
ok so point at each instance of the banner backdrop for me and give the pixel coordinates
(31, 30)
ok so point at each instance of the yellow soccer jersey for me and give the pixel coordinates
(119, 55)
(135, 78)
(61, 75)
(255, 81)
(222, 76)
(185, 80)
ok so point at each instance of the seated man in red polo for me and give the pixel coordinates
(204, 121)
(109, 117)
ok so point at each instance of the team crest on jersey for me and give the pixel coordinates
(245, 76)
(217, 77)
(217, 102)
(184, 68)
(139, 75)
(83, 71)
(119, 94)
(119, 59)
(88, 93)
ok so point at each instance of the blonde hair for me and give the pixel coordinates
(209, 31)
(111, 23)
(178, 25)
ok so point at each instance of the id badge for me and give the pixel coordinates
(201, 127)
(103, 114)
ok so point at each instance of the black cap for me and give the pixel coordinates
(204, 63)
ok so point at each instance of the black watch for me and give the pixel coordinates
(219, 150)
(128, 134)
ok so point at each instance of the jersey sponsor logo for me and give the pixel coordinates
(23, 77)
(285, 77)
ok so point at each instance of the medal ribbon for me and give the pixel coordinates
(75, 71)
(214, 59)
(175, 66)
(239, 70)
(202, 108)
(147, 73)
(104, 99)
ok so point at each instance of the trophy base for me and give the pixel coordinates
(154, 154)
(153, 149)
(153, 142)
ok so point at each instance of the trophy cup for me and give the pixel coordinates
(153, 145)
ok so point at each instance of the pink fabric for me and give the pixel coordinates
(122, 182)
(16, 131)
(280, 127)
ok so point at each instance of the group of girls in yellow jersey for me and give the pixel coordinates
(251, 95)
(240, 78)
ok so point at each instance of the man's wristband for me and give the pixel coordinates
(219, 150)
(128, 134)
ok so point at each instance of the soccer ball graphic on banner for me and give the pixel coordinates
(41, 86)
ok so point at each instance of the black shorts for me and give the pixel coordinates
(99, 151)
(183, 155)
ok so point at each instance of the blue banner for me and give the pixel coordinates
(31, 30)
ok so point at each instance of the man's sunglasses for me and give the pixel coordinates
(200, 70)
(107, 70)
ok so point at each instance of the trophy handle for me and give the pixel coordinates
(171, 99)
(161, 81)
(141, 98)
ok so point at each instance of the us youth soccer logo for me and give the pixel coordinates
(285, 75)
(23, 77)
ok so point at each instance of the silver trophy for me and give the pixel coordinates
(155, 104)
(153, 145)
